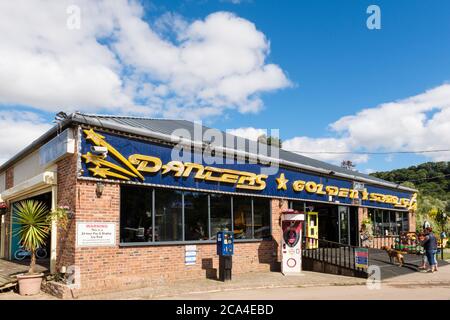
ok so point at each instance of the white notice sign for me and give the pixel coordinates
(190, 257)
(96, 234)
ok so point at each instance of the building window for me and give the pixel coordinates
(378, 222)
(261, 217)
(405, 222)
(196, 216)
(168, 215)
(220, 209)
(388, 223)
(189, 216)
(136, 214)
(242, 217)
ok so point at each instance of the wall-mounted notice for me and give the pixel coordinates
(190, 257)
(96, 234)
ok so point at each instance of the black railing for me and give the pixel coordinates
(333, 253)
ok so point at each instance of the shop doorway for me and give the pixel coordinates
(17, 252)
(336, 223)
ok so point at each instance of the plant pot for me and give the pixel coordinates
(29, 284)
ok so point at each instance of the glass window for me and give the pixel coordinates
(386, 222)
(196, 216)
(135, 214)
(378, 222)
(399, 221)
(298, 205)
(220, 213)
(242, 216)
(261, 216)
(405, 222)
(392, 223)
(168, 215)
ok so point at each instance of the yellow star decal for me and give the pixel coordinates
(281, 181)
(99, 161)
(104, 173)
(98, 140)
(94, 136)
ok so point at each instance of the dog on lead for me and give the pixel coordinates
(394, 255)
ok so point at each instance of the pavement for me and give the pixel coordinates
(258, 285)
(273, 285)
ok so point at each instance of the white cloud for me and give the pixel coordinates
(420, 122)
(313, 148)
(248, 133)
(119, 62)
(18, 129)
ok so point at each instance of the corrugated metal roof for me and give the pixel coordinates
(169, 126)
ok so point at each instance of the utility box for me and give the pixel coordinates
(225, 250)
(225, 243)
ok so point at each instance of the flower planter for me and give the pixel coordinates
(30, 284)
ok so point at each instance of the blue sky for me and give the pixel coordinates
(335, 66)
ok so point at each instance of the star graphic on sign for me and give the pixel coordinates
(94, 137)
(105, 172)
(92, 158)
(281, 180)
(100, 161)
(98, 140)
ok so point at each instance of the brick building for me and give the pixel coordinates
(141, 192)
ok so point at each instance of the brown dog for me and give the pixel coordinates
(394, 254)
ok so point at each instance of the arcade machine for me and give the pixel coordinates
(291, 244)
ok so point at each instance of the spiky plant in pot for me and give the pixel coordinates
(32, 218)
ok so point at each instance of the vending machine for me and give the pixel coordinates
(291, 244)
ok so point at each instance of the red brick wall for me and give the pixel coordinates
(278, 206)
(66, 196)
(111, 268)
(412, 221)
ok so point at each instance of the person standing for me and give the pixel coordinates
(430, 247)
(421, 238)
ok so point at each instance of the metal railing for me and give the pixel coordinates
(333, 253)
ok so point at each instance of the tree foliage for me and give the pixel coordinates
(432, 179)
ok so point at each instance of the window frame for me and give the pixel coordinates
(188, 242)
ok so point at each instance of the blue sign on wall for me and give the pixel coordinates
(145, 162)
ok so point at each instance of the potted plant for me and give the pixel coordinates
(34, 227)
(366, 233)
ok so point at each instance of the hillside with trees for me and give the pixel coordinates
(432, 179)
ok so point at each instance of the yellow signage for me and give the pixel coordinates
(137, 164)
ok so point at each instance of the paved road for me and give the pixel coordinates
(387, 292)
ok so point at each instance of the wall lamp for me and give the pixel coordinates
(99, 189)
